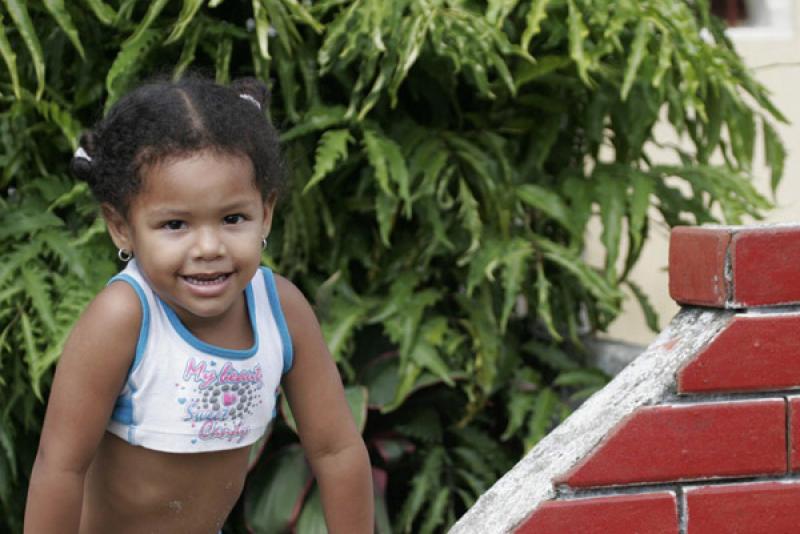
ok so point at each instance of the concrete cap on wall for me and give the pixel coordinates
(735, 266)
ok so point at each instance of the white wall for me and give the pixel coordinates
(773, 53)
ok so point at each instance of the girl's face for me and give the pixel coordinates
(196, 229)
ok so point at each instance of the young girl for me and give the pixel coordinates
(173, 370)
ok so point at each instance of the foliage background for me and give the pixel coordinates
(446, 156)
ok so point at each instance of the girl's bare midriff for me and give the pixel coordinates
(131, 489)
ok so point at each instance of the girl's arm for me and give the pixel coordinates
(332, 443)
(88, 379)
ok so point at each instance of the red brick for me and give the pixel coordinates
(794, 433)
(697, 265)
(766, 266)
(685, 442)
(752, 353)
(756, 508)
(653, 513)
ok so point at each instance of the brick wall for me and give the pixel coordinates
(701, 433)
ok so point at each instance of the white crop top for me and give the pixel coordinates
(185, 395)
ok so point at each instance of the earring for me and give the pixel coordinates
(264, 242)
(124, 255)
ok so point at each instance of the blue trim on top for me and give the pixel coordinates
(233, 354)
(277, 312)
(123, 408)
(144, 330)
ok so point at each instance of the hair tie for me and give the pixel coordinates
(80, 153)
(250, 98)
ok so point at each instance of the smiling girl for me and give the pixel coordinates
(173, 370)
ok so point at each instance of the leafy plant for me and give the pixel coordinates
(446, 157)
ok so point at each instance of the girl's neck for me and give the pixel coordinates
(232, 330)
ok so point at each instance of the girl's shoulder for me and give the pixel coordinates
(290, 294)
(296, 309)
(116, 309)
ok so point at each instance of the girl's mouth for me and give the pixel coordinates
(206, 279)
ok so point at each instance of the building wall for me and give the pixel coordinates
(773, 53)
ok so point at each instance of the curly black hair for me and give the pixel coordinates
(165, 119)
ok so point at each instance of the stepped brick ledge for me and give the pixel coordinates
(700, 431)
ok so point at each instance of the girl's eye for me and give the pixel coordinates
(174, 225)
(233, 219)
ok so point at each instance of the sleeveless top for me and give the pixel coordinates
(185, 395)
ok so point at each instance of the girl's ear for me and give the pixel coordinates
(118, 227)
(269, 209)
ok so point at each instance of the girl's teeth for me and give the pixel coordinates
(205, 281)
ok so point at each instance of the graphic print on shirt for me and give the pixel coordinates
(220, 398)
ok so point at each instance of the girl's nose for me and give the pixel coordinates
(209, 245)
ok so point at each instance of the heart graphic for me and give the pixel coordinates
(182, 400)
(228, 398)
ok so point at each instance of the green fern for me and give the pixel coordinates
(452, 153)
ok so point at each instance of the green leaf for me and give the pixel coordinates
(435, 515)
(608, 296)
(188, 11)
(276, 487)
(36, 288)
(581, 377)
(188, 50)
(10, 59)
(60, 13)
(343, 318)
(520, 403)
(650, 314)
(542, 420)
(386, 159)
(261, 18)
(383, 524)
(551, 356)
(543, 308)
(547, 202)
(532, 71)
(25, 223)
(153, 10)
(385, 212)
(426, 356)
(611, 194)
(102, 11)
(577, 40)
(128, 61)
(413, 40)
(424, 484)
(331, 149)
(469, 214)
(533, 21)
(222, 60)
(22, 20)
(498, 10)
(636, 56)
(643, 187)
(382, 378)
(257, 449)
(299, 12)
(515, 267)
(775, 154)
(312, 520)
(319, 118)
(357, 399)
(32, 354)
